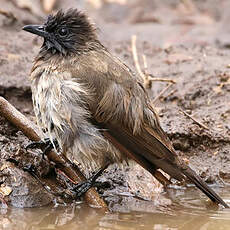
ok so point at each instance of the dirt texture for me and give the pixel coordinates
(190, 46)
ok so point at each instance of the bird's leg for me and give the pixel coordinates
(30, 168)
(81, 188)
(46, 145)
(27, 168)
(42, 144)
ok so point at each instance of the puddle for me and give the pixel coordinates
(188, 210)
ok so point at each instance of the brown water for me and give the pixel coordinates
(186, 211)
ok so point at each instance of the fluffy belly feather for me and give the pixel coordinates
(61, 108)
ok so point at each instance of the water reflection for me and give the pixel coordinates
(179, 210)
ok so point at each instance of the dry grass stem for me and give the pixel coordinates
(135, 56)
(147, 78)
(161, 93)
(196, 121)
(161, 79)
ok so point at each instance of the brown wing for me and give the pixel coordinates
(121, 106)
(128, 117)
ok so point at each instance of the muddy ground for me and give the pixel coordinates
(186, 41)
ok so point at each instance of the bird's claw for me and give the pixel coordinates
(27, 168)
(39, 144)
(81, 188)
(46, 145)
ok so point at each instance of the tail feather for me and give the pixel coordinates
(193, 177)
(153, 154)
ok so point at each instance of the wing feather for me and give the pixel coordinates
(124, 110)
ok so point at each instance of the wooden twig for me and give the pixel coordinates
(161, 93)
(32, 132)
(196, 121)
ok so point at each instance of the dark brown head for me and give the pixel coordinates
(65, 32)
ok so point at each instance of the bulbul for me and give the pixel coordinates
(94, 106)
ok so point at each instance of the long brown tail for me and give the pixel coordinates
(144, 153)
(193, 177)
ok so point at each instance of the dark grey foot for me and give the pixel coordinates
(27, 168)
(12, 160)
(46, 145)
(81, 188)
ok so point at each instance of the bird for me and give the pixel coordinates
(95, 107)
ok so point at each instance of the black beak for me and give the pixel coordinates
(36, 29)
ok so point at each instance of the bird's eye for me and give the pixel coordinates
(63, 32)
